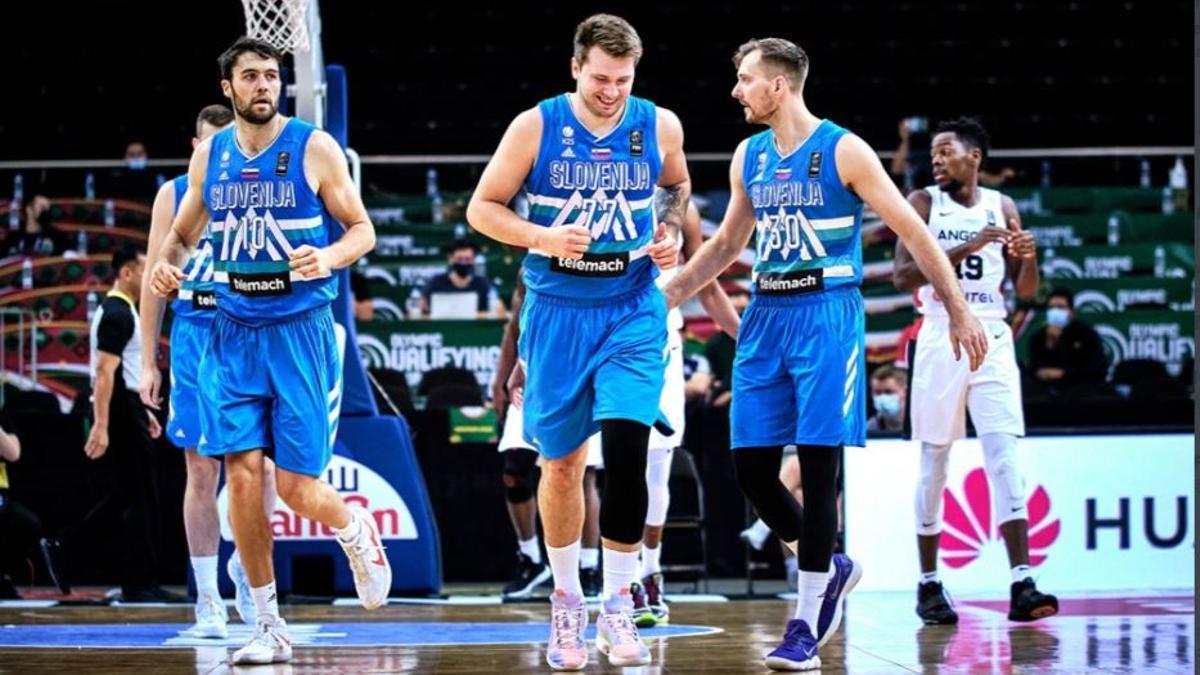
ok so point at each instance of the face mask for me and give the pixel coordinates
(463, 269)
(1058, 317)
(888, 405)
(137, 163)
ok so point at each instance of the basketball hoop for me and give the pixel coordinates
(283, 23)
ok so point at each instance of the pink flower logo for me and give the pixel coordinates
(969, 523)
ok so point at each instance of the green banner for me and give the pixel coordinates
(1119, 227)
(1119, 295)
(473, 424)
(1086, 199)
(1168, 337)
(1164, 261)
(416, 347)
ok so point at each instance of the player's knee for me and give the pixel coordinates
(623, 508)
(756, 470)
(1008, 485)
(202, 472)
(934, 460)
(520, 465)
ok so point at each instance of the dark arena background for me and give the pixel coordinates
(1090, 111)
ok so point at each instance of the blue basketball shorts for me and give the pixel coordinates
(189, 337)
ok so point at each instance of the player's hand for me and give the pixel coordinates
(966, 335)
(663, 251)
(516, 386)
(1021, 244)
(148, 386)
(990, 235)
(310, 262)
(565, 241)
(153, 426)
(97, 442)
(165, 278)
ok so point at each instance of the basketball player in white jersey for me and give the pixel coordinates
(980, 230)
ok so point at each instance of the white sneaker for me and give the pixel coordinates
(372, 571)
(755, 536)
(270, 644)
(210, 618)
(242, 598)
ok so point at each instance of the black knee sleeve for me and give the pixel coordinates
(520, 467)
(758, 476)
(818, 477)
(623, 497)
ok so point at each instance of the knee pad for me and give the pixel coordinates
(1008, 485)
(658, 476)
(624, 497)
(520, 465)
(930, 485)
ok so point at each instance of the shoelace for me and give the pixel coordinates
(566, 627)
(623, 628)
(362, 551)
(209, 608)
(263, 635)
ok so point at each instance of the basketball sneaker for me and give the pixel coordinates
(211, 618)
(846, 575)
(617, 635)
(649, 605)
(242, 599)
(530, 575)
(1030, 604)
(797, 651)
(372, 571)
(934, 605)
(269, 644)
(567, 649)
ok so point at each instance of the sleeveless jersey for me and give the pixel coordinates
(262, 208)
(981, 274)
(808, 234)
(195, 299)
(604, 183)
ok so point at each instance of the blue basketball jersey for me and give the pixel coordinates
(196, 299)
(262, 208)
(809, 225)
(604, 183)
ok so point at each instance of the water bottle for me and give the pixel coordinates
(413, 305)
(1145, 180)
(18, 188)
(1160, 262)
(27, 273)
(480, 266)
(110, 213)
(438, 210)
(1168, 201)
(1179, 185)
(14, 214)
(431, 183)
(92, 302)
(1045, 173)
(89, 187)
(1114, 230)
(81, 242)
(460, 231)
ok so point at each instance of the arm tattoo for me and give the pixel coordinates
(670, 205)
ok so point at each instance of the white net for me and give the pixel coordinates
(279, 22)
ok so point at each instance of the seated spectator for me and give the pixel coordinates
(460, 278)
(1066, 352)
(20, 529)
(889, 394)
(37, 236)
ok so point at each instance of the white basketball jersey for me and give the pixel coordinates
(981, 274)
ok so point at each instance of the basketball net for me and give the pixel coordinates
(283, 23)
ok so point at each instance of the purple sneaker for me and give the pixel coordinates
(616, 634)
(568, 622)
(798, 651)
(846, 574)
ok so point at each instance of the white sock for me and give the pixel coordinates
(589, 558)
(791, 564)
(927, 577)
(265, 601)
(760, 529)
(205, 569)
(651, 560)
(809, 589)
(1021, 573)
(531, 549)
(620, 570)
(564, 565)
(350, 531)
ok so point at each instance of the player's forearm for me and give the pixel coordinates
(714, 256)
(670, 204)
(508, 351)
(1028, 278)
(151, 309)
(174, 249)
(907, 275)
(498, 222)
(935, 266)
(357, 241)
(718, 306)
(101, 396)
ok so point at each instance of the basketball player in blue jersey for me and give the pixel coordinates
(193, 308)
(798, 373)
(592, 325)
(270, 376)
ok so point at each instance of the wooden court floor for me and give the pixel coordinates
(880, 635)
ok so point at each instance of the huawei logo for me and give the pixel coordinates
(968, 523)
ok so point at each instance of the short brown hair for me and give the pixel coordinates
(215, 115)
(612, 34)
(244, 44)
(781, 54)
(890, 373)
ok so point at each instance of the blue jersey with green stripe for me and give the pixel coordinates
(604, 183)
(196, 299)
(262, 208)
(809, 225)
